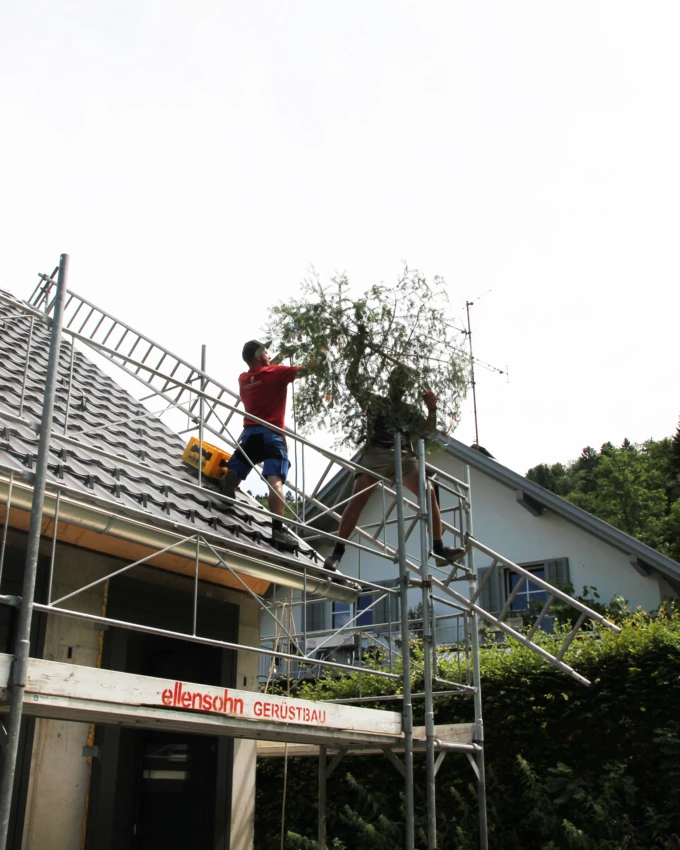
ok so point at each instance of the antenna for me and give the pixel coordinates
(469, 304)
(473, 360)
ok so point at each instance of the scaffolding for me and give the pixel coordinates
(209, 408)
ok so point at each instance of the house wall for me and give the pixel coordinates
(502, 524)
(57, 800)
(56, 806)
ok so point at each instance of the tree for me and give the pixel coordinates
(407, 324)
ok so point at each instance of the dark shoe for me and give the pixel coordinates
(229, 484)
(284, 539)
(331, 563)
(449, 554)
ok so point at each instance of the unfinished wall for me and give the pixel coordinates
(58, 788)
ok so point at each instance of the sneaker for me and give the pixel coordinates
(331, 563)
(283, 538)
(229, 484)
(449, 554)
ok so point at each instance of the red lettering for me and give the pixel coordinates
(315, 715)
(207, 702)
(218, 704)
(267, 709)
(322, 716)
(178, 691)
(275, 710)
(307, 713)
(257, 708)
(186, 699)
(238, 706)
(166, 697)
(197, 700)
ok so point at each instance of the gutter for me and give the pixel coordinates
(131, 530)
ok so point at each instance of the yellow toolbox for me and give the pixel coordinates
(214, 460)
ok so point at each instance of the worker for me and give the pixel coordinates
(385, 416)
(264, 388)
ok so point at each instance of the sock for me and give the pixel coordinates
(339, 550)
(437, 546)
(277, 525)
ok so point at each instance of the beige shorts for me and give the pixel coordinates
(381, 461)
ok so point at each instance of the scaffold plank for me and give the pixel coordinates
(457, 733)
(73, 692)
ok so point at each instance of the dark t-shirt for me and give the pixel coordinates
(263, 393)
(384, 419)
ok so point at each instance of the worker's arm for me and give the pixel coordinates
(430, 400)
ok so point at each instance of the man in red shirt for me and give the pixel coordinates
(263, 392)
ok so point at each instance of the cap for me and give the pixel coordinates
(251, 348)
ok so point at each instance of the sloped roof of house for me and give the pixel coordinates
(118, 457)
(534, 498)
(537, 499)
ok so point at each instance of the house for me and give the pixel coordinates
(530, 526)
(146, 605)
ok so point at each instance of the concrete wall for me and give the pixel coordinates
(57, 800)
(59, 784)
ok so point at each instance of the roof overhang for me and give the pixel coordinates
(242, 560)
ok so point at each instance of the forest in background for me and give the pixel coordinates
(634, 487)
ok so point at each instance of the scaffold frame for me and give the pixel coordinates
(210, 407)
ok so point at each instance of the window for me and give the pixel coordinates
(502, 581)
(342, 614)
(529, 593)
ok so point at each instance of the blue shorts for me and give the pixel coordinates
(258, 444)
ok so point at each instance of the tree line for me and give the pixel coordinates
(634, 487)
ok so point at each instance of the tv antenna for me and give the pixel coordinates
(473, 360)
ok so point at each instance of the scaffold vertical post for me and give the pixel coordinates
(409, 841)
(322, 798)
(23, 629)
(473, 624)
(427, 648)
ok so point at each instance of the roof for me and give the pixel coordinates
(119, 457)
(536, 499)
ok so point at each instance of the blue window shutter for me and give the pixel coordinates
(316, 616)
(557, 572)
(387, 605)
(493, 595)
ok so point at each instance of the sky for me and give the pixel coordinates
(196, 160)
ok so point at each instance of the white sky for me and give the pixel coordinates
(195, 159)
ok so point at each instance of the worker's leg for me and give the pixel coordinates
(364, 485)
(277, 502)
(446, 553)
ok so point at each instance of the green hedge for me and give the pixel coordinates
(568, 766)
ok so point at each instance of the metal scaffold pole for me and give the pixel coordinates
(473, 625)
(428, 643)
(404, 575)
(23, 629)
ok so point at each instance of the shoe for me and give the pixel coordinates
(331, 563)
(449, 554)
(283, 538)
(229, 484)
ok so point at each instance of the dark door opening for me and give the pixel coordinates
(153, 789)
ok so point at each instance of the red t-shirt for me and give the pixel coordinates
(263, 393)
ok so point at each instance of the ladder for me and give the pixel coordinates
(183, 385)
(168, 376)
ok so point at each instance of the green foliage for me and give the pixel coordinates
(567, 766)
(635, 488)
(407, 323)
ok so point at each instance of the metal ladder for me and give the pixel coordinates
(183, 385)
(168, 376)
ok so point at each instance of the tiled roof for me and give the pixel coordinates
(115, 453)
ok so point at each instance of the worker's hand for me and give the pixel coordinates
(430, 399)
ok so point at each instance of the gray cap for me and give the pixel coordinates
(251, 348)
